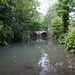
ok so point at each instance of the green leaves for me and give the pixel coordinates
(50, 15)
(6, 35)
(16, 18)
(57, 26)
(63, 9)
(70, 40)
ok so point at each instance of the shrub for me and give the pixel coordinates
(18, 31)
(62, 38)
(70, 41)
(6, 35)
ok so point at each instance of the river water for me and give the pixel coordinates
(40, 57)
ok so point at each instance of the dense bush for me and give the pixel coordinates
(70, 41)
(17, 17)
(57, 26)
(18, 31)
(6, 35)
(62, 38)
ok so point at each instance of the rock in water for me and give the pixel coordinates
(29, 67)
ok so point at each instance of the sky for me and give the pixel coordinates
(44, 5)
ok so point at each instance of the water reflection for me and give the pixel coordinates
(41, 40)
(71, 60)
(44, 63)
(37, 39)
(36, 58)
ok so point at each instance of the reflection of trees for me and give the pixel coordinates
(71, 60)
(63, 67)
(50, 58)
(59, 65)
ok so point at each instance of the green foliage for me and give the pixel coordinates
(58, 19)
(17, 17)
(18, 31)
(57, 26)
(62, 38)
(62, 9)
(6, 35)
(49, 16)
(70, 40)
(72, 5)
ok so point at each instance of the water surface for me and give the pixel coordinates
(40, 57)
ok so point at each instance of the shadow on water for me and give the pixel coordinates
(39, 57)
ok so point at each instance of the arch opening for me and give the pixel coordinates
(44, 35)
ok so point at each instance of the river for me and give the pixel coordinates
(40, 57)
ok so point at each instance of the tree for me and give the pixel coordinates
(18, 16)
(63, 8)
(49, 16)
(57, 26)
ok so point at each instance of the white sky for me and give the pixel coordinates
(44, 5)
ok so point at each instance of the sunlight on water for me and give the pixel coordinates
(44, 64)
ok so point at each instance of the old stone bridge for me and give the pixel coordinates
(39, 33)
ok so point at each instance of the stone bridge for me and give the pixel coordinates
(48, 33)
(40, 32)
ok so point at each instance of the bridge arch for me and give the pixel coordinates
(44, 34)
(40, 32)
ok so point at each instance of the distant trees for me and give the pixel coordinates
(49, 16)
